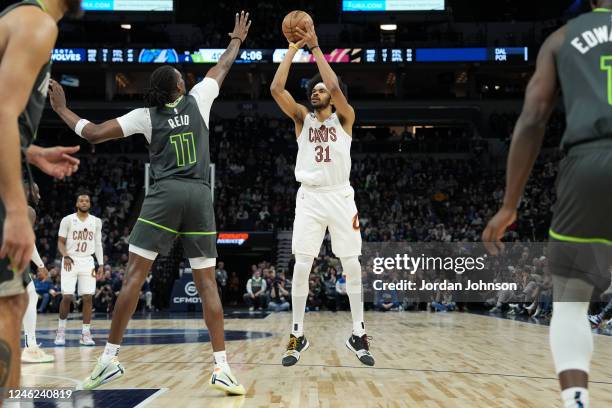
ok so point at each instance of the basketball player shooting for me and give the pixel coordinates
(179, 204)
(79, 238)
(325, 198)
(575, 59)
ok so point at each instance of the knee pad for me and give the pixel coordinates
(571, 340)
(301, 272)
(352, 268)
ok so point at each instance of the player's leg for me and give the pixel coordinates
(108, 367)
(571, 340)
(154, 232)
(68, 283)
(346, 244)
(87, 287)
(198, 236)
(12, 307)
(308, 233)
(31, 352)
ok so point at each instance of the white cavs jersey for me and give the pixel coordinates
(81, 235)
(324, 153)
(83, 239)
(325, 199)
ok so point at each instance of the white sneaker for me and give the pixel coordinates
(104, 373)
(87, 340)
(223, 380)
(60, 338)
(251, 309)
(34, 354)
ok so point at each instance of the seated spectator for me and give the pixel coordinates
(221, 277)
(387, 300)
(146, 296)
(256, 292)
(315, 294)
(279, 295)
(233, 288)
(342, 301)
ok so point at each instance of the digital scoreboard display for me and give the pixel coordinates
(392, 5)
(303, 56)
(127, 5)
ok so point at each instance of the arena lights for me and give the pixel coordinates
(126, 26)
(388, 27)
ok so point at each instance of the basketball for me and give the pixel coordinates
(296, 18)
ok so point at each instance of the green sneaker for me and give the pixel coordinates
(103, 373)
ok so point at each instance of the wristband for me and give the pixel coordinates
(313, 48)
(78, 129)
(237, 38)
(295, 47)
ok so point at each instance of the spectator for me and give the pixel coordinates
(234, 288)
(221, 277)
(43, 286)
(279, 295)
(256, 292)
(387, 300)
(341, 295)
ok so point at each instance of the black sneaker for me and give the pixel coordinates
(361, 347)
(296, 346)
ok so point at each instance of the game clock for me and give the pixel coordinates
(250, 56)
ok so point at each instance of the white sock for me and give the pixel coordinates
(221, 359)
(575, 397)
(86, 328)
(353, 289)
(299, 292)
(29, 318)
(110, 350)
(62, 324)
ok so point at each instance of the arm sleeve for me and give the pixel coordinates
(98, 238)
(205, 93)
(136, 121)
(36, 258)
(249, 287)
(63, 230)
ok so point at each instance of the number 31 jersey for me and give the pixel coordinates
(324, 153)
(81, 236)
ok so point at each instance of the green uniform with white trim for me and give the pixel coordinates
(179, 204)
(581, 230)
(11, 283)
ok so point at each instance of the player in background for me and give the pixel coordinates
(79, 237)
(179, 204)
(32, 353)
(325, 198)
(576, 59)
(28, 31)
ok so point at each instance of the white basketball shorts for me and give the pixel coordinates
(83, 272)
(318, 208)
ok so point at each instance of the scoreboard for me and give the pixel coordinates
(249, 56)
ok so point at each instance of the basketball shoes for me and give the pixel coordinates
(34, 354)
(222, 379)
(296, 346)
(361, 347)
(104, 373)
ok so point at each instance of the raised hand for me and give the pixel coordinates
(309, 36)
(57, 97)
(241, 27)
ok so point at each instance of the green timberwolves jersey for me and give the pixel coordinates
(584, 65)
(179, 146)
(30, 117)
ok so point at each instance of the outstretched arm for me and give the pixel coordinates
(529, 132)
(344, 111)
(93, 133)
(283, 98)
(241, 29)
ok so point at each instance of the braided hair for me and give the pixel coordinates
(163, 87)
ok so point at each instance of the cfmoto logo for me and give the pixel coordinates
(190, 289)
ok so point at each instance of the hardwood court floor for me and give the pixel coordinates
(422, 360)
